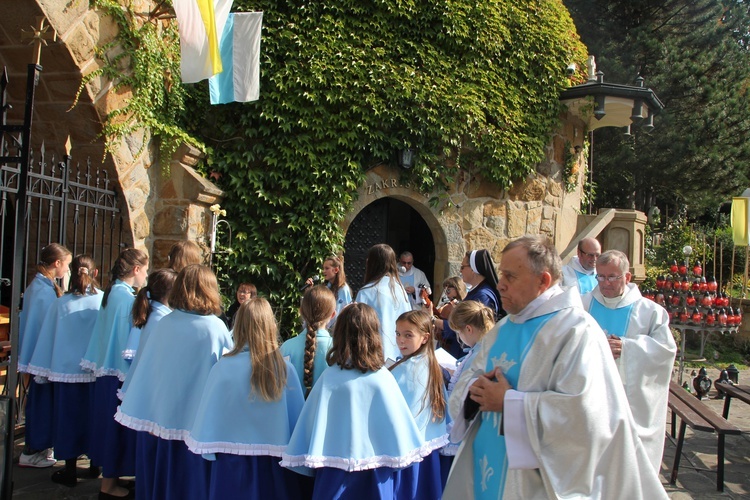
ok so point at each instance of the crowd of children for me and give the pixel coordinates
(154, 385)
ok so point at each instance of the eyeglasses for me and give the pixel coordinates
(590, 255)
(464, 265)
(611, 279)
(449, 288)
(403, 263)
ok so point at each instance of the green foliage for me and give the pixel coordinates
(144, 58)
(678, 234)
(344, 85)
(694, 54)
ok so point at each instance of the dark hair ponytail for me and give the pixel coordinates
(83, 276)
(159, 285)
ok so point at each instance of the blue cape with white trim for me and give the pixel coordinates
(355, 421)
(233, 420)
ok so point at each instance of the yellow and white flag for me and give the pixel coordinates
(200, 24)
(740, 218)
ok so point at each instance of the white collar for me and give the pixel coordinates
(532, 306)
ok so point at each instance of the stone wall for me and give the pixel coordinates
(477, 214)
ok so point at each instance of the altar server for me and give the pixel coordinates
(642, 346)
(62, 342)
(166, 387)
(420, 379)
(249, 407)
(355, 430)
(383, 291)
(54, 261)
(553, 418)
(113, 446)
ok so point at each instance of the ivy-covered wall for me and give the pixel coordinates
(473, 87)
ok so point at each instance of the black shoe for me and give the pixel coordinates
(65, 478)
(107, 496)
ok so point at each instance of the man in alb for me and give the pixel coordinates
(642, 346)
(553, 418)
(580, 272)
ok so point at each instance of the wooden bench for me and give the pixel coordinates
(741, 392)
(696, 414)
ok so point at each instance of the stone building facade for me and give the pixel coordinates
(163, 204)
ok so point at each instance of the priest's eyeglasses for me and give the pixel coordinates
(601, 278)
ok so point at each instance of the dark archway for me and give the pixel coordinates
(390, 221)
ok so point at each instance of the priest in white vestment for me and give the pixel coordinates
(580, 272)
(412, 278)
(553, 419)
(642, 346)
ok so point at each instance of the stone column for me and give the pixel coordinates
(181, 207)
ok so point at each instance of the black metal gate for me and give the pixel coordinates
(43, 200)
(390, 221)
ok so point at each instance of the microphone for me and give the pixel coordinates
(315, 280)
(402, 269)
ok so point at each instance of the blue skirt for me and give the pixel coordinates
(422, 480)
(145, 462)
(237, 476)
(72, 422)
(446, 462)
(179, 473)
(39, 407)
(112, 445)
(332, 483)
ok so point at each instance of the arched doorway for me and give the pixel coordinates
(391, 221)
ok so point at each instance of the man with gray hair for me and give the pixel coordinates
(412, 279)
(641, 343)
(541, 410)
(580, 272)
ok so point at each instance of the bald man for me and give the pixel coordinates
(581, 270)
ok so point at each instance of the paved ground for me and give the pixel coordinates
(699, 451)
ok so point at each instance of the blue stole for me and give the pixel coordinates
(586, 282)
(490, 459)
(612, 321)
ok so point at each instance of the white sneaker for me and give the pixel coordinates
(39, 460)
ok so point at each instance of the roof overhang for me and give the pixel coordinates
(601, 104)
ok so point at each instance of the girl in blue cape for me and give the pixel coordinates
(250, 405)
(38, 299)
(335, 279)
(470, 320)
(355, 431)
(333, 273)
(113, 446)
(383, 291)
(420, 379)
(307, 351)
(166, 386)
(62, 343)
(150, 306)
